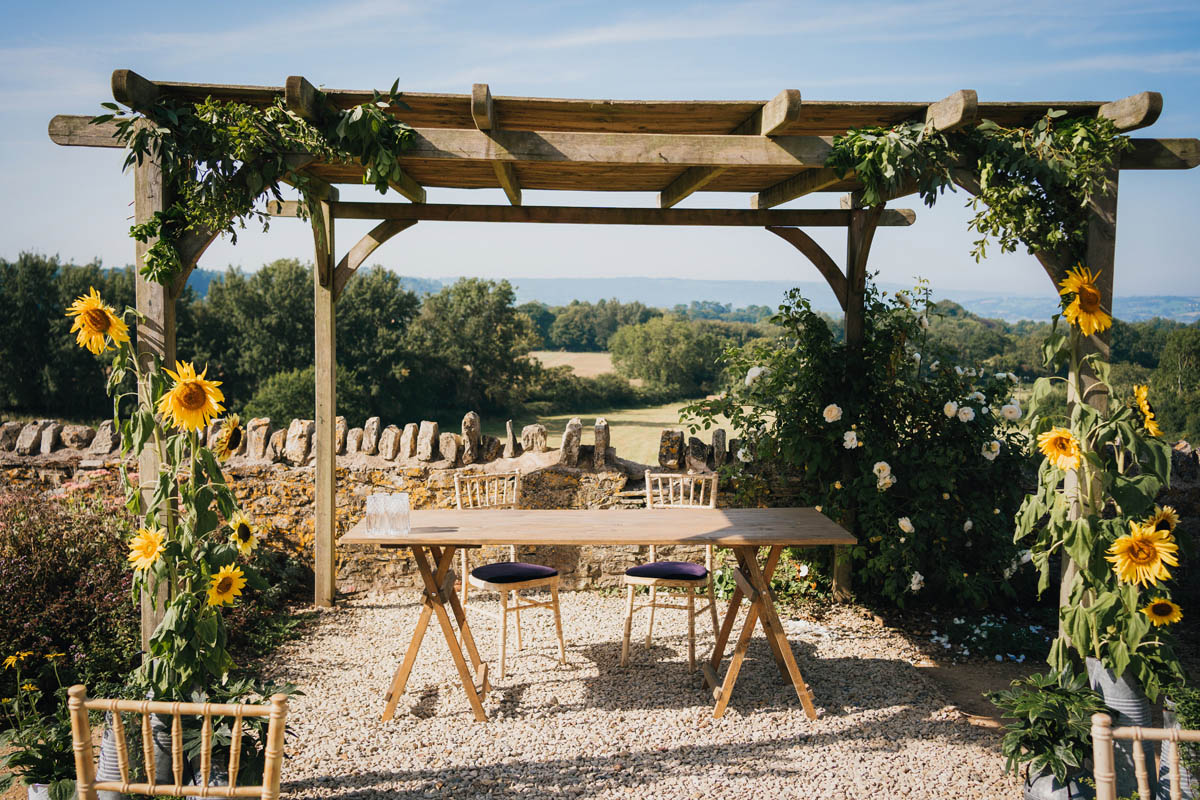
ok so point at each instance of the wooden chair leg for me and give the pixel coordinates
(517, 614)
(691, 612)
(653, 600)
(712, 605)
(562, 647)
(464, 576)
(503, 630)
(628, 627)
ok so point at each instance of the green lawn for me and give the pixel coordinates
(634, 431)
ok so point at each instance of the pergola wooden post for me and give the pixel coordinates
(775, 151)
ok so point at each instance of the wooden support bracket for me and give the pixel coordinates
(820, 259)
(363, 248)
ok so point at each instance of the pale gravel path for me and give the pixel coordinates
(592, 729)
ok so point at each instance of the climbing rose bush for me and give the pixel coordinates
(927, 453)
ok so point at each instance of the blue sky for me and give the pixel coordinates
(57, 58)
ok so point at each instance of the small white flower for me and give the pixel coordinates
(802, 570)
(885, 482)
(985, 410)
(968, 526)
(972, 372)
(849, 440)
(1011, 411)
(744, 456)
(924, 322)
(904, 299)
(991, 450)
(1001, 376)
(916, 582)
(976, 396)
(916, 357)
(933, 367)
(950, 409)
(1013, 378)
(966, 414)
(958, 370)
(881, 468)
(905, 524)
(903, 539)
(832, 412)
(754, 373)
(945, 495)
(995, 511)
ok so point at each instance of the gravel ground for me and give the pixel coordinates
(593, 729)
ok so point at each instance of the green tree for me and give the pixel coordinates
(677, 354)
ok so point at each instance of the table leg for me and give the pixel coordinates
(774, 631)
(768, 570)
(466, 638)
(435, 594)
(400, 679)
(731, 613)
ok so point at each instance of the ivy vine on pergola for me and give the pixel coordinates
(775, 151)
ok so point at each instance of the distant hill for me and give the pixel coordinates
(667, 292)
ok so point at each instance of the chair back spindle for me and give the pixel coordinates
(498, 490)
(1103, 735)
(676, 490)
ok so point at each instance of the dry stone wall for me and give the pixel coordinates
(272, 473)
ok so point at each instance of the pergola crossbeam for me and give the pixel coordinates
(1136, 111)
(483, 111)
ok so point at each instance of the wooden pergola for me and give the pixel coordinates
(774, 151)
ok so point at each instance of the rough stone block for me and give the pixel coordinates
(600, 451)
(354, 440)
(51, 438)
(389, 442)
(697, 450)
(512, 448)
(77, 437)
(9, 432)
(370, 440)
(408, 441)
(448, 444)
(720, 452)
(670, 449)
(258, 434)
(299, 440)
(490, 448)
(29, 441)
(471, 430)
(105, 441)
(427, 441)
(339, 435)
(276, 445)
(533, 438)
(572, 438)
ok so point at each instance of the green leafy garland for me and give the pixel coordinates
(1035, 183)
(221, 159)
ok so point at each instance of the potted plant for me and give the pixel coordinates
(1050, 733)
(40, 753)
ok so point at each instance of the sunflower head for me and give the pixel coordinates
(96, 325)
(226, 585)
(1083, 297)
(242, 533)
(146, 548)
(229, 438)
(1061, 447)
(1164, 518)
(1142, 556)
(193, 400)
(1162, 611)
(1141, 398)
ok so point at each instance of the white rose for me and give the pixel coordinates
(968, 526)
(881, 468)
(916, 582)
(958, 370)
(1011, 411)
(916, 357)
(832, 412)
(905, 524)
(976, 396)
(966, 414)
(985, 410)
(991, 450)
(744, 455)
(753, 374)
(924, 322)
(1013, 378)
(885, 482)
(933, 367)
(903, 539)
(802, 570)
(904, 299)
(1000, 376)
(950, 409)
(850, 440)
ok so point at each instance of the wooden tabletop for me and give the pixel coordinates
(724, 527)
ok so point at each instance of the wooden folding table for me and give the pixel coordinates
(436, 535)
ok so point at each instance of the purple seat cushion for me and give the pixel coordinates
(669, 570)
(512, 572)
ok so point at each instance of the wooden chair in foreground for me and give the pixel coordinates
(666, 491)
(503, 490)
(85, 767)
(1104, 763)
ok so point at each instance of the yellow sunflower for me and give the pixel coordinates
(1164, 518)
(244, 534)
(1162, 611)
(146, 548)
(226, 585)
(1061, 447)
(96, 323)
(1084, 309)
(1140, 556)
(193, 401)
(229, 437)
(29, 687)
(10, 662)
(1141, 396)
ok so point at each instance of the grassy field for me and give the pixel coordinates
(586, 365)
(634, 431)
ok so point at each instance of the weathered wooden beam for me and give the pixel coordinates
(820, 259)
(692, 179)
(1136, 111)
(780, 111)
(506, 174)
(305, 100)
(482, 109)
(1162, 154)
(585, 215)
(807, 182)
(407, 187)
(73, 130)
(325, 391)
(363, 248)
(133, 90)
(953, 112)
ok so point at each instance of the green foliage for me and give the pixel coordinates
(1051, 723)
(710, 309)
(36, 743)
(1187, 710)
(587, 327)
(677, 354)
(837, 433)
(1034, 183)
